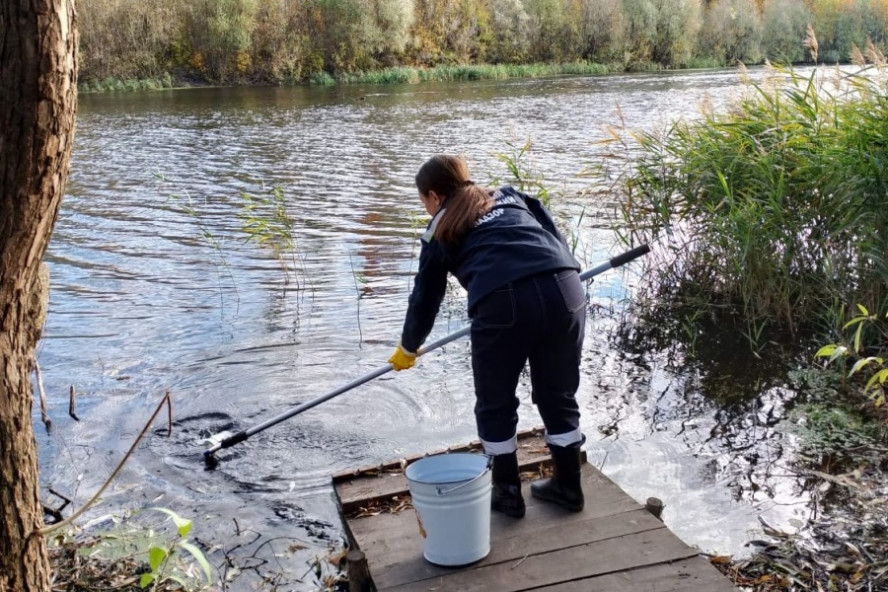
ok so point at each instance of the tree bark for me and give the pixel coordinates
(38, 101)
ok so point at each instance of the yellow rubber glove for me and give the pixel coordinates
(402, 359)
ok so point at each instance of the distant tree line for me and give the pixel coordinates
(289, 41)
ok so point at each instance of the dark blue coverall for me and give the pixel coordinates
(526, 303)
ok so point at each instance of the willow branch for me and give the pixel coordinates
(48, 529)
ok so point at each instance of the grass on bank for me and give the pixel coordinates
(409, 75)
(129, 85)
(773, 215)
(772, 219)
(394, 75)
(130, 557)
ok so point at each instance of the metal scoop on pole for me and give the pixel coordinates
(227, 439)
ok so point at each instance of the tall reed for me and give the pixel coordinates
(775, 213)
(405, 75)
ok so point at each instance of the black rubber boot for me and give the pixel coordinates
(564, 488)
(506, 496)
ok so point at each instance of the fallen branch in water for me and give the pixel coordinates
(71, 396)
(44, 414)
(53, 527)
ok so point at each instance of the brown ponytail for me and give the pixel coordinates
(448, 176)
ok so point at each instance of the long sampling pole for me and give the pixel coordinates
(227, 439)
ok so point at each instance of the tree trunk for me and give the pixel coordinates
(38, 100)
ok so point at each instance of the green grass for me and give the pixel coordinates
(128, 85)
(321, 79)
(773, 215)
(407, 75)
(829, 430)
(394, 75)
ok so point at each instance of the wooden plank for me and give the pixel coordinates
(388, 539)
(361, 491)
(527, 439)
(688, 575)
(535, 571)
(357, 492)
(613, 545)
(391, 567)
(362, 487)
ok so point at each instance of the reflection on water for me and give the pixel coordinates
(154, 288)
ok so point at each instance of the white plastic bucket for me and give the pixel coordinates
(451, 496)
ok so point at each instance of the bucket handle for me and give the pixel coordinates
(441, 490)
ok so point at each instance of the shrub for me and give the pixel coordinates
(776, 211)
(661, 31)
(731, 32)
(783, 26)
(219, 33)
(867, 349)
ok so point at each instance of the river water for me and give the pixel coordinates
(155, 289)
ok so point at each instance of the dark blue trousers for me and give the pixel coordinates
(541, 320)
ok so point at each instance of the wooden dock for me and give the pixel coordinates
(613, 545)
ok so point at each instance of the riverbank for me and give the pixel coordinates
(843, 551)
(746, 252)
(225, 42)
(845, 546)
(394, 75)
(830, 554)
